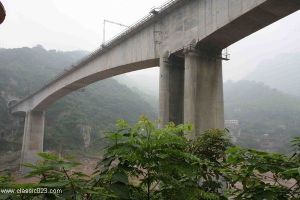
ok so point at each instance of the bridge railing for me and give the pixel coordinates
(103, 48)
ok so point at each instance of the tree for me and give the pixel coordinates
(145, 162)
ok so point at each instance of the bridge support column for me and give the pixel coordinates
(33, 138)
(171, 85)
(203, 92)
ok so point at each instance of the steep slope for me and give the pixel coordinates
(282, 72)
(31, 67)
(268, 118)
(78, 120)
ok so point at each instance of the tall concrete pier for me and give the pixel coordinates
(33, 138)
(203, 91)
(171, 89)
(191, 87)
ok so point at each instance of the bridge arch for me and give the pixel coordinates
(74, 84)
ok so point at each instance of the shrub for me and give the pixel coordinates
(145, 162)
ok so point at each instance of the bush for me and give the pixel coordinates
(145, 162)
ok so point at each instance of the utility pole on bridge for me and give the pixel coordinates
(104, 30)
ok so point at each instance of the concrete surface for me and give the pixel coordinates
(171, 84)
(33, 138)
(203, 91)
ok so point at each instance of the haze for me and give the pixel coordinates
(77, 25)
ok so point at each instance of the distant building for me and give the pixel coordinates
(2, 13)
(85, 131)
(232, 124)
(234, 128)
(267, 143)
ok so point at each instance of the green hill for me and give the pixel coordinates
(85, 113)
(268, 118)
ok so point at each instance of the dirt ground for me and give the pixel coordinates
(87, 167)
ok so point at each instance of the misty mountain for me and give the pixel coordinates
(31, 67)
(144, 84)
(90, 111)
(147, 82)
(268, 118)
(282, 72)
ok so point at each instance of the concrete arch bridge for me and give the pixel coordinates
(185, 39)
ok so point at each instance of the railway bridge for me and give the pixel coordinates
(185, 38)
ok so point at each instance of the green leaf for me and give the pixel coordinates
(120, 189)
(120, 176)
(56, 184)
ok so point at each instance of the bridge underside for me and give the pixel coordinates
(191, 90)
(94, 78)
(250, 22)
(186, 42)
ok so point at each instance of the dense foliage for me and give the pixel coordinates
(145, 162)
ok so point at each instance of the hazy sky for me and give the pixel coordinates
(77, 24)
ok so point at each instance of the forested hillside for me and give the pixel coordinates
(76, 122)
(274, 112)
(268, 118)
(282, 72)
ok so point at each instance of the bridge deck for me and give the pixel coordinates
(213, 24)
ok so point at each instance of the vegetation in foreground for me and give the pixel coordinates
(144, 162)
